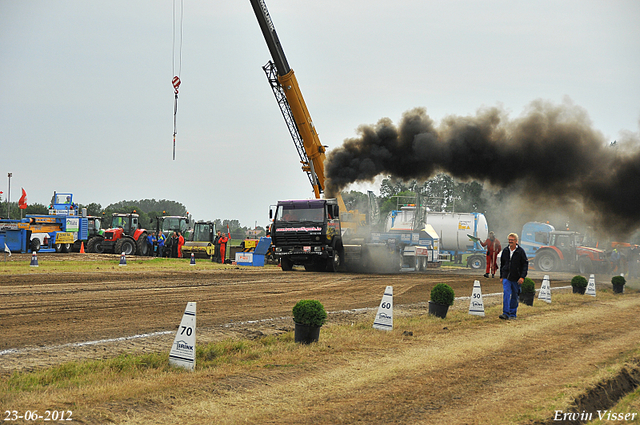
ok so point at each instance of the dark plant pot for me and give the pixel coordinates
(618, 289)
(438, 310)
(306, 334)
(527, 298)
(579, 290)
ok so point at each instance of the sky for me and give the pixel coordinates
(87, 101)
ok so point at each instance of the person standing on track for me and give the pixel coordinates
(513, 269)
(151, 239)
(173, 243)
(161, 245)
(493, 248)
(180, 244)
(223, 246)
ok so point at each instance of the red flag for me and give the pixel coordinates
(22, 203)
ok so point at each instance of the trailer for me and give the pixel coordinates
(37, 233)
(453, 230)
(15, 235)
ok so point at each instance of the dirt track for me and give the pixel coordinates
(51, 310)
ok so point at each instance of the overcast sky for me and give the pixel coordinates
(87, 103)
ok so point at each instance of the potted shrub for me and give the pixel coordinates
(442, 296)
(527, 291)
(579, 284)
(618, 284)
(308, 316)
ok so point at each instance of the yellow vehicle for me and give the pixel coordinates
(200, 240)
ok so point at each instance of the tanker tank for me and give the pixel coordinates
(452, 228)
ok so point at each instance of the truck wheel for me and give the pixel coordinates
(66, 247)
(286, 264)
(476, 262)
(334, 262)
(584, 265)
(141, 243)
(95, 245)
(546, 262)
(126, 245)
(35, 245)
(58, 247)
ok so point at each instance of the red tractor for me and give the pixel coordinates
(564, 253)
(124, 236)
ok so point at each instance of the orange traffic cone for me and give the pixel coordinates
(81, 247)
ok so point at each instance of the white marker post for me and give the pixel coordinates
(476, 306)
(34, 259)
(545, 290)
(183, 350)
(591, 286)
(384, 318)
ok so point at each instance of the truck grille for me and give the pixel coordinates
(297, 238)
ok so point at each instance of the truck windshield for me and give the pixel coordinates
(202, 233)
(119, 222)
(171, 224)
(62, 198)
(315, 215)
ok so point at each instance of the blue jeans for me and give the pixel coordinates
(510, 297)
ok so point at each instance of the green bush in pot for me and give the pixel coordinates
(618, 283)
(527, 291)
(579, 284)
(442, 297)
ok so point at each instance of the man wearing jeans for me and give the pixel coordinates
(513, 269)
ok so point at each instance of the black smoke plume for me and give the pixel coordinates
(551, 153)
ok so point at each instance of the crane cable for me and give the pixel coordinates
(176, 79)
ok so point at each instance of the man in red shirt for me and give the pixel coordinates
(223, 246)
(493, 248)
(180, 244)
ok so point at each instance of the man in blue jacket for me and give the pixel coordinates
(513, 269)
(161, 244)
(151, 241)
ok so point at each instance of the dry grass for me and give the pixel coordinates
(467, 369)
